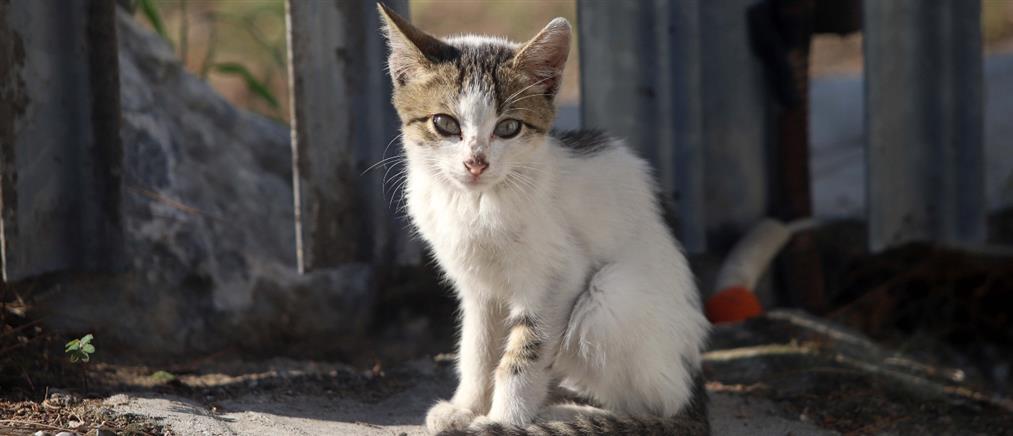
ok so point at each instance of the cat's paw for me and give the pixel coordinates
(446, 416)
(481, 422)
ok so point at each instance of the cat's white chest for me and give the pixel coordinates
(472, 240)
(460, 225)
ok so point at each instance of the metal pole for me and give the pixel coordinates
(342, 122)
(924, 109)
(641, 81)
(60, 150)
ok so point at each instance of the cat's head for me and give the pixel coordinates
(474, 109)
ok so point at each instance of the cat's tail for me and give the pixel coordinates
(597, 425)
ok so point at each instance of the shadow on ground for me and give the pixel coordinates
(786, 373)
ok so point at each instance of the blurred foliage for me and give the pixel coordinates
(154, 17)
(997, 20)
(239, 46)
(255, 86)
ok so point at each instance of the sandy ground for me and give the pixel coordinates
(785, 373)
(312, 415)
(294, 413)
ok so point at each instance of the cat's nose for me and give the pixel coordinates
(476, 165)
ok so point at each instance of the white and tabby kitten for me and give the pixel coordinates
(567, 275)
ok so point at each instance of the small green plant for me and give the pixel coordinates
(254, 85)
(154, 17)
(80, 350)
(161, 376)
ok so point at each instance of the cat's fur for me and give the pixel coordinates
(565, 270)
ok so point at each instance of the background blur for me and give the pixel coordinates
(223, 217)
(252, 33)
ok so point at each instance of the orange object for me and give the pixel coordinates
(735, 303)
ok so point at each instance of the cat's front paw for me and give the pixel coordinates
(446, 416)
(481, 421)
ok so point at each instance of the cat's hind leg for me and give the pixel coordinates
(633, 340)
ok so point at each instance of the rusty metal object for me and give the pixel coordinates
(781, 32)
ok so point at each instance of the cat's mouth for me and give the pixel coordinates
(476, 183)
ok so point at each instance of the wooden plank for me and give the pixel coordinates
(342, 122)
(59, 138)
(799, 268)
(924, 126)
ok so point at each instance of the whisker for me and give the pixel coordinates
(508, 99)
(381, 162)
(517, 186)
(399, 186)
(384, 153)
(383, 185)
(400, 135)
(529, 96)
(519, 109)
(402, 171)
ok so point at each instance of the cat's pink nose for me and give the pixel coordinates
(476, 165)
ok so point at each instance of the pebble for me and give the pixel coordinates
(42, 433)
(66, 433)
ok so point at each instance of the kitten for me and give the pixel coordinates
(567, 276)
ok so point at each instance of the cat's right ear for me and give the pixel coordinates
(411, 50)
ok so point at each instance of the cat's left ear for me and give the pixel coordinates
(411, 49)
(544, 57)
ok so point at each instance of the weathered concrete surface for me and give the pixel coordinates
(786, 373)
(400, 415)
(208, 213)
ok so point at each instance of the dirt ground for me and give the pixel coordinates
(919, 344)
(785, 373)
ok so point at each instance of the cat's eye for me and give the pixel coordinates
(446, 125)
(507, 128)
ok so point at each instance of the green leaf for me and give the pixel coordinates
(154, 17)
(163, 376)
(79, 350)
(255, 86)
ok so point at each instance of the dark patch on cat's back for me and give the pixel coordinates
(584, 143)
